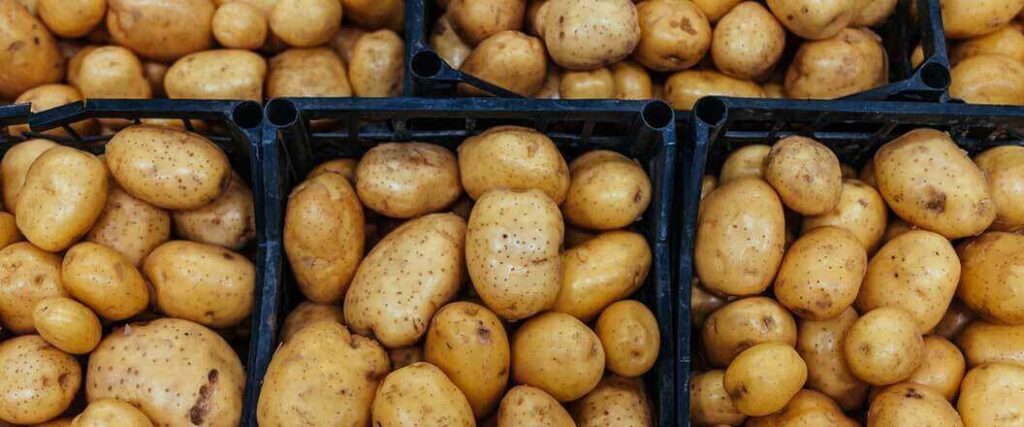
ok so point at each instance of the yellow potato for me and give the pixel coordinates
(47, 96)
(883, 347)
(962, 19)
(305, 23)
(708, 183)
(632, 82)
(849, 62)
(238, 25)
(630, 337)
(820, 344)
(29, 275)
(420, 394)
(217, 74)
(674, 35)
(583, 34)
(896, 227)
(559, 354)
(15, 165)
(1004, 168)
(748, 41)
(684, 88)
(104, 280)
(601, 271)
(530, 406)
(31, 55)
(307, 72)
(702, 303)
(345, 40)
(743, 323)
(109, 413)
(807, 408)
(375, 14)
(821, 273)
(447, 43)
(59, 422)
(1008, 41)
(552, 85)
(515, 158)
(407, 180)
(112, 72)
(64, 193)
(942, 367)
(992, 396)
(988, 79)
(989, 283)
(476, 20)
(814, 20)
(763, 378)
(709, 402)
(71, 18)
(957, 317)
(308, 313)
(908, 403)
(161, 30)
(67, 325)
(377, 66)
(716, 9)
(9, 233)
(872, 13)
(37, 381)
(607, 191)
(594, 84)
(344, 167)
(615, 401)
(130, 226)
(405, 356)
(745, 162)
(861, 211)
(229, 221)
(985, 343)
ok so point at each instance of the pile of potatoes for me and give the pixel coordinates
(381, 248)
(820, 296)
(585, 49)
(986, 50)
(125, 263)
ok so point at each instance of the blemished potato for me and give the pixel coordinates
(674, 35)
(1004, 168)
(992, 396)
(745, 162)
(109, 413)
(29, 275)
(716, 9)
(821, 273)
(806, 408)
(710, 405)
(883, 347)
(820, 345)
(32, 57)
(229, 221)
(71, 18)
(964, 19)
(64, 193)
(726, 259)
(407, 180)
(557, 353)
(601, 271)
(684, 88)
(702, 303)
(377, 66)
(161, 31)
(988, 79)
(514, 158)
(344, 167)
(402, 281)
(928, 181)
(305, 23)
(15, 164)
(308, 313)
(521, 229)
(607, 191)
(942, 367)
(615, 401)
(375, 14)
(814, 20)
(630, 338)
(325, 373)
(905, 403)
(743, 323)
(67, 324)
(748, 41)
(420, 394)
(345, 40)
(37, 381)
(985, 343)
(631, 81)
(763, 378)
(530, 406)
(324, 236)
(806, 175)
(594, 84)
(104, 280)
(112, 72)
(861, 211)
(476, 20)
(198, 375)
(130, 226)
(1008, 40)
(468, 342)
(448, 45)
(850, 62)
(917, 271)
(8, 230)
(238, 25)
(583, 34)
(49, 96)
(217, 74)
(307, 72)
(405, 356)
(957, 317)
(203, 283)
(872, 13)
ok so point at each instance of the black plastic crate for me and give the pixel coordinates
(854, 130)
(11, 115)
(640, 130)
(431, 76)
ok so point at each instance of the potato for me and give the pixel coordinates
(872, 13)
(31, 56)
(161, 31)
(49, 96)
(942, 367)
(71, 18)
(517, 158)
(583, 34)
(630, 337)
(476, 20)
(615, 401)
(15, 164)
(601, 271)
(632, 82)
(229, 221)
(112, 72)
(988, 79)
(104, 280)
(861, 211)
(8, 230)
(985, 343)
(67, 324)
(344, 167)
(964, 19)
(448, 45)
(468, 342)
(196, 374)
(414, 270)
(111, 412)
(29, 275)
(238, 25)
(64, 193)
(37, 381)
(725, 258)
(1008, 41)
(512, 245)
(557, 353)
(59, 422)
(763, 378)
(716, 9)
(530, 406)
(1004, 168)
(708, 183)
(532, 18)
(747, 42)
(607, 191)
(807, 408)
(850, 62)
(324, 236)
(684, 88)
(955, 320)
(992, 396)
(743, 323)
(702, 303)
(674, 35)
(374, 14)
(420, 394)
(130, 226)
(820, 345)
(905, 403)
(308, 313)
(378, 65)
(405, 356)
(552, 85)
(821, 273)
(896, 227)
(593, 84)
(709, 402)
(814, 20)
(217, 74)
(31, 5)
(946, 192)
(407, 180)
(883, 347)
(345, 40)
(307, 72)
(747, 161)
(324, 373)
(305, 23)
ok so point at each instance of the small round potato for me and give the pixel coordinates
(601, 271)
(1008, 41)
(29, 275)
(821, 273)
(964, 19)
(37, 381)
(763, 378)
(745, 162)
(990, 282)
(883, 347)
(850, 62)
(710, 404)
(557, 353)
(820, 344)
(814, 19)
(942, 367)
(515, 158)
(420, 394)
(161, 30)
(308, 313)
(71, 18)
(67, 325)
(238, 25)
(112, 72)
(130, 226)
(988, 79)
(607, 191)
(674, 35)
(448, 45)
(109, 413)
(957, 317)
(743, 323)
(630, 338)
(217, 74)
(872, 13)
(861, 211)
(49, 96)
(407, 180)
(992, 396)
(530, 406)
(15, 164)
(229, 221)
(1004, 168)
(594, 84)
(104, 280)
(632, 82)
(375, 14)
(586, 34)
(31, 55)
(305, 23)
(307, 72)
(684, 88)
(377, 66)
(907, 402)
(985, 343)
(476, 20)
(615, 401)
(747, 42)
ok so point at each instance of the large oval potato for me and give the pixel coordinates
(305, 23)
(307, 72)
(510, 60)
(161, 30)
(325, 373)
(727, 260)
(67, 325)
(1004, 168)
(197, 375)
(308, 313)
(615, 401)
(850, 62)
(31, 55)
(814, 19)
(600, 271)
(907, 402)
(476, 20)
(985, 343)
(203, 283)
(409, 274)
(584, 34)
(104, 280)
(557, 353)
(861, 211)
(806, 175)
(130, 226)
(111, 72)
(942, 367)
(710, 404)
(514, 158)
(988, 79)
(820, 344)
(821, 273)
(64, 193)
(607, 191)
(377, 66)
(992, 396)
(37, 381)
(684, 88)
(964, 19)
(743, 323)
(407, 180)
(929, 182)
(27, 275)
(763, 378)
(229, 221)
(239, 25)
(375, 14)
(990, 282)
(883, 347)
(217, 74)
(14, 167)
(111, 412)
(530, 406)
(674, 35)
(748, 41)
(420, 394)
(747, 161)
(512, 252)
(71, 18)
(630, 337)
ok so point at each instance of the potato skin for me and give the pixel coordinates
(160, 30)
(420, 394)
(607, 191)
(806, 175)
(964, 19)
(872, 13)
(344, 167)
(324, 373)
(758, 391)
(530, 406)
(957, 317)
(743, 323)
(8, 230)
(130, 226)
(821, 273)
(630, 337)
(814, 20)
(407, 180)
(702, 303)
(307, 72)
(992, 396)
(373, 14)
(985, 343)
(29, 275)
(71, 18)
(806, 408)
(1008, 41)
(850, 62)
(477, 20)
(897, 404)
(37, 381)
(404, 356)
(111, 412)
(1004, 168)
(748, 41)
(14, 167)
(447, 43)
(557, 353)
(238, 25)
(308, 313)
(988, 79)
(505, 149)
(601, 271)
(305, 23)
(229, 221)
(32, 57)
(684, 88)
(820, 345)
(67, 325)
(47, 96)
(594, 84)
(710, 404)
(942, 367)
(861, 211)
(674, 35)
(615, 401)
(988, 283)
(883, 347)
(111, 72)
(596, 34)
(377, 65)
(747, 161)
(104, 280)
(217, 74)
(632, 81)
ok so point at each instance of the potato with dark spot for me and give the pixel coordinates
(476, 20)
(29, 275)
(305, 23)
(988, 79)
(37, 381)
(587, 34)
(808, 408)
(448, 45)
(745, 162)
(217, 74)
(161, 30)
(992, 396)
(674, 35)
(308, 313)
(375, 14)
(601, 271)
(911, 404)
(49, 96)
(821, 273)
(557, 353)
(510, 60)
(632, 81)
(530, 406)
(377, 66)
(31, 55)
(130, 226)
(861, 211)
(763, 378)
(748, 41)
(607, 191)
(67, 325)
(407, 180)
(872, 13)
(709, 402)
(964, 19)
(111, 72)
(849, 62)
(1004, 168)
(684, 88)
(15, 164)
(229, 221)
(615, 401)
(942, 367)
(883, 347)
(820, 344)
(985, 343)
(630, 338)
(814, 19)
(742, 324)
(109, 413)
(594, 84)
(238, 25)
(420, 394)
